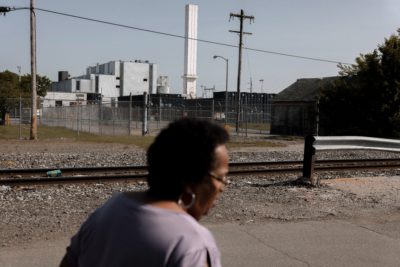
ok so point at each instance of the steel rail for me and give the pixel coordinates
(135, 168)
(138, 168)
(72, 179)
(237, 169)
(71, 170)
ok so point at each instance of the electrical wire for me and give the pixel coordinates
(184, 37)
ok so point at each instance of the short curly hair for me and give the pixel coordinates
(182, 154)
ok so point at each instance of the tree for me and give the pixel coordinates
(43, 84)
(365, 100)
(11, 88)
(8, 94)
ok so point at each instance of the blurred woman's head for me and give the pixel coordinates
(184, 158)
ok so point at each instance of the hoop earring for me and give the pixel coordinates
(187, 206)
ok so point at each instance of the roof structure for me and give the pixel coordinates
(305, 89)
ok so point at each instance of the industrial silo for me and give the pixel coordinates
(62, 76)
(162, 85)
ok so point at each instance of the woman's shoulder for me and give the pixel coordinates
(168, 223)
(196, 242)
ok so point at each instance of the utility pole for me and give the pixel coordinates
(242, 17)
(20, 100)
(33, 130)
(4, 10)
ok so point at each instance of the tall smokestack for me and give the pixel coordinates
(190, 71)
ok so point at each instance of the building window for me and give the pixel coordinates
(58, 103)
(145, 80)
(96, 84)
(78, 85)
(118, 78)
(117, 86)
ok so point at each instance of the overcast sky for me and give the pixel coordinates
(336, 30)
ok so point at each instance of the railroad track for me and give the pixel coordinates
(126, 173)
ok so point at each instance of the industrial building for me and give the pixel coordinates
(255, 106)
(109, 81)
(295, 109)
(113, 79)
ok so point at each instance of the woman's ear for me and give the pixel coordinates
(190, 188)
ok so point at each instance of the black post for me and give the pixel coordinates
(145, 107)
(309, 160)
(212, 109)
(130, 114)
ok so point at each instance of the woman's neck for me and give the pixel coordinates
(146, 198)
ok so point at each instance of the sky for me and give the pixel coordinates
(337, 30)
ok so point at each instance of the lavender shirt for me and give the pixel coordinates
(125, 233)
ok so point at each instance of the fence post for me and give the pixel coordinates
(65, 117)
(137, 116)
(212, 109)
(130, 114)
(20, 117)
(309, 160)
(100, 116)
(145, 106)
(89, 107)
(159, 111)
(113, 117)
(77, 117)
(246, 117)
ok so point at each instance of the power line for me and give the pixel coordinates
(134, 28)
(183, 37)
(249, 66)
(296, 56)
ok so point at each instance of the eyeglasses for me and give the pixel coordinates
(222, 179)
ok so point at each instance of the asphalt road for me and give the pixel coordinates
(305, 243)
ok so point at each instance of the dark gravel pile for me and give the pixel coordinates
(47, 212)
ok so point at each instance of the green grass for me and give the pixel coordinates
(54, 133)
(257, 126)
(252, 143)
(253, 126)
(49, 133)
(12, 132)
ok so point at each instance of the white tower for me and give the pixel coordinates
(190, 71)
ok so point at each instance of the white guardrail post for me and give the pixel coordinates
(313, 144)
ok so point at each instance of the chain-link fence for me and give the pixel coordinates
(19, 111)
(133, 117)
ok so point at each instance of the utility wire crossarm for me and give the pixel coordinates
(6, 9)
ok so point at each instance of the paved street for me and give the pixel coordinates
(306, 243)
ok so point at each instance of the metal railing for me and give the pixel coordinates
(312, 144)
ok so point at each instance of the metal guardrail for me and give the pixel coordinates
(355, 142)
(321, 143)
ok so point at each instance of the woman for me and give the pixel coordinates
(187, 164)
